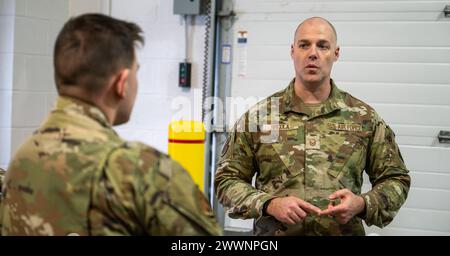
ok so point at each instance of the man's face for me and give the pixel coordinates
(126, 106)
(314, 51)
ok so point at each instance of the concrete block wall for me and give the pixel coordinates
(7, 11)
(28, 29)
(37, 23)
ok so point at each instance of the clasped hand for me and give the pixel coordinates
(292, 210)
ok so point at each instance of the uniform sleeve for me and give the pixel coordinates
(234, 176)
(147, 193)
(388, 176)
(174, 205)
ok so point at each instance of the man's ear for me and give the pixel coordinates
(121, 83)
(292, 51)
(336, 53)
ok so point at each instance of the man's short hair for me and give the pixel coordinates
(91, 48)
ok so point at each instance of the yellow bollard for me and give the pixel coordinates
(187, 147)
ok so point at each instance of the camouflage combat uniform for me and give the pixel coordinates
(311, 152)
(75, 175)
(2, 176)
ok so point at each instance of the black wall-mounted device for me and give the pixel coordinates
(184, 75)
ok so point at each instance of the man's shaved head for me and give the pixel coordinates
(315, 19)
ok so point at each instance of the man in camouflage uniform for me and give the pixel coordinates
(308, 146)
(75, 175)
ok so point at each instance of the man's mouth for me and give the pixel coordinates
(312, 66)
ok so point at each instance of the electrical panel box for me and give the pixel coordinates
(189, 7)
(184, 76)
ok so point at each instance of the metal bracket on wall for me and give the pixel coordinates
(447, 11)
(444, 137)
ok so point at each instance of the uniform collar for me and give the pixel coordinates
(71, 105)
(295, 104)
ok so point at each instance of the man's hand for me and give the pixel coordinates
(350, 206)
(290, 210)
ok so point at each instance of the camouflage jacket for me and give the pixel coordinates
(75, 175)
(2, 176)
(311, 154)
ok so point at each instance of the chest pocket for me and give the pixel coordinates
(284, 153)
(349, 159)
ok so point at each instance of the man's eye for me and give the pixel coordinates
(323, 46)
(302, 46)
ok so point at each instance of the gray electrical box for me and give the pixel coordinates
(189, 7)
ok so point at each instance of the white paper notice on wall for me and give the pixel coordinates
(226, 54)
(242, 53)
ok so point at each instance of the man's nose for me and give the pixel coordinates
(312, 55)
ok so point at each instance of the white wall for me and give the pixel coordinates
(158, 93)
(28, 29)
(395, 55)
(77, 7)
(7, 10)
(37, 23)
